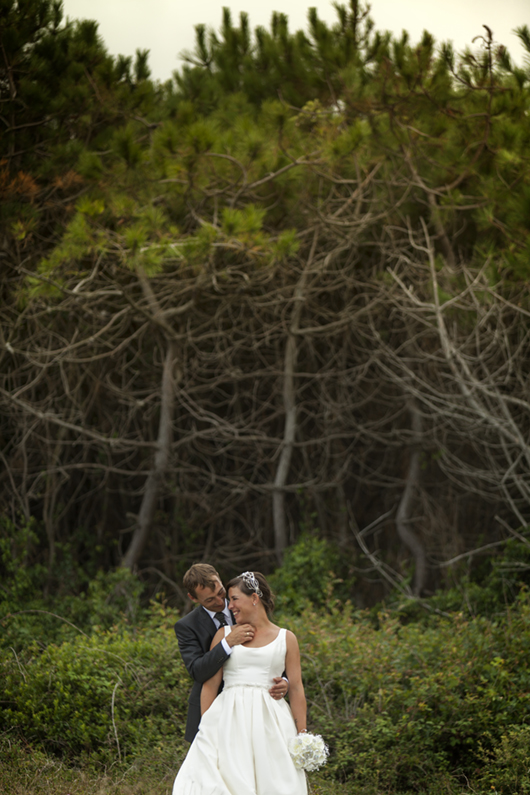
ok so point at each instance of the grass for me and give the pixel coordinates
(40, 775)
(26, 771)
(53, 778)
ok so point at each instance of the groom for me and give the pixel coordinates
(195, 633)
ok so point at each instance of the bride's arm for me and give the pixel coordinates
(296, 687)
(210, 688)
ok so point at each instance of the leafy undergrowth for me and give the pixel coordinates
(434, 707)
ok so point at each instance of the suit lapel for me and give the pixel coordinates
(206, 622)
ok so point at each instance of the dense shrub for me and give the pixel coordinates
(401, 704)
(507, 767)
(482, 586)
(409, 708)
(110, 695)
(312, 571)
(26, 615)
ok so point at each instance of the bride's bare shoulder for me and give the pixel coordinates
(291, 638)
(217, 638)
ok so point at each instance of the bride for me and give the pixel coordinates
(242, 744)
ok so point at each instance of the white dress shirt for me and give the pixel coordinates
(229, 620)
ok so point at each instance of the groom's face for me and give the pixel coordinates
(211, 598)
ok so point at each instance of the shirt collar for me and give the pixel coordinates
(226, 612)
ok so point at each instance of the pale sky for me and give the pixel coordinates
(166, 27)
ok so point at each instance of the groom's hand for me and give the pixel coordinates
(241, 633)
(279, 688)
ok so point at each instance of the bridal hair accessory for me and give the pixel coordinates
(308, 751)
(251, 582)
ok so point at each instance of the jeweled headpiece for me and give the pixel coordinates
(251, 582)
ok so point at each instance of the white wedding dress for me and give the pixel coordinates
(241, 746)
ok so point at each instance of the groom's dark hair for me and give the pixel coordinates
(199, 574)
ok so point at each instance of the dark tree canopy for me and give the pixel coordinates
(285, 291)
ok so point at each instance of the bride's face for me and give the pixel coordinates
(241, 605)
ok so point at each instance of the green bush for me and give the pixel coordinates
(489, 585)
(312, 573)
(405, 709)
(110, 598)
(107, 696)
(506, 767)
(400, 705)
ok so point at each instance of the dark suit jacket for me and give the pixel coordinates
(195, 633)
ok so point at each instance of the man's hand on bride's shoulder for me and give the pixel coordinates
(241, 633)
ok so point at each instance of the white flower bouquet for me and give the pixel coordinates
(308, 751)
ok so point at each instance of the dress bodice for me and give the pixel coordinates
(256, 667)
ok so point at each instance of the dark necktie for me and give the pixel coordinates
(221, 619)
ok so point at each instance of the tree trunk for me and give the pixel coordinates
(342, 518)
(50, 498)
(278, 495)
(445, 243)
(289, 403)
(160, 463)
(404, 511)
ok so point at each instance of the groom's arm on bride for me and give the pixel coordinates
(280, 687)
(211, 687)
(296, 687)
(200, 662)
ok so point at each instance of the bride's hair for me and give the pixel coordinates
(244, 583)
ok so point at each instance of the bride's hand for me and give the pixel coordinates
(241, 633)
